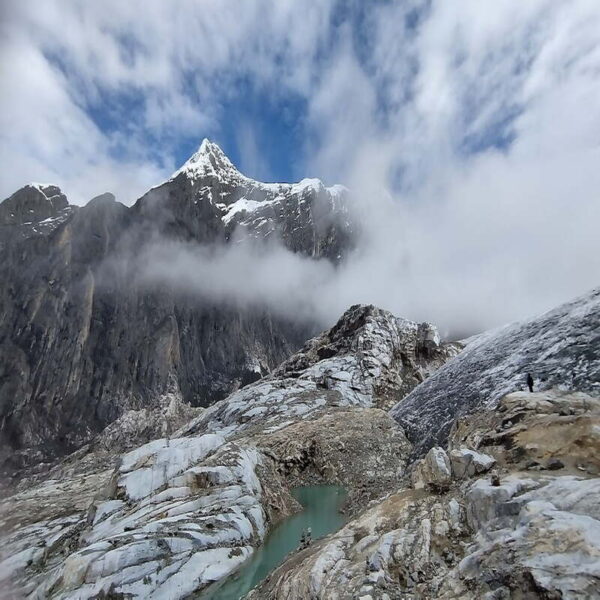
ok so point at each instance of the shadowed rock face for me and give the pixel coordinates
(83, 339)
(561, 348)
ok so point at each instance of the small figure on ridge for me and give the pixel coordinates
(530, 382)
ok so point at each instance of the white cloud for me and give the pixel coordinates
(47, 135)
(478, 235)
(242, 274)
(252, 160)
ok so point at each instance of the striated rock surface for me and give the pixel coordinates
(504, 507)
(372, 353)
(175, 515)
(136, 427)
(170, 517)
(528, 530)
(86, 335)
(560, 349)
(367, 359)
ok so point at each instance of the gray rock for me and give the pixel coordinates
(466, 463)
(433, 472)
(84, 338)
(554, 464)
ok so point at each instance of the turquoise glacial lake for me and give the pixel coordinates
(321, 512)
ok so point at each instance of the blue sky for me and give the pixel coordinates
(260, 125)
(255, 122)
(124, 92)
(478, 122)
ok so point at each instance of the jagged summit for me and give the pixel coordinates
(32, 203)
(209, 160)
(49, 190)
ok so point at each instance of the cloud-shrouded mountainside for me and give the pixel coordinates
(469, 134)
(107, 308)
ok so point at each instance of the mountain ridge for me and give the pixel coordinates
(84, 338)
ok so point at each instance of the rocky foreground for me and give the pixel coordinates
(503, 505)
(180, 512)
(509, 509)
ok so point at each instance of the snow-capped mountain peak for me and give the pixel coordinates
(209, 160)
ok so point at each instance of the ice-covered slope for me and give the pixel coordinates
(561, 348)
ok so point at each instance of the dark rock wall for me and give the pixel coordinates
(82, 338)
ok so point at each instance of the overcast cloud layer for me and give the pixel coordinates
(470, 132)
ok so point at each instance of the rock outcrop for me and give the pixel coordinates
(174, 515)
(367, 359)
(85, 335)
(467, 463)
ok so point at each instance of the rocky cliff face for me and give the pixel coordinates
(83, 338)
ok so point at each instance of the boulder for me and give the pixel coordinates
(433, 472)
(466, 463)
